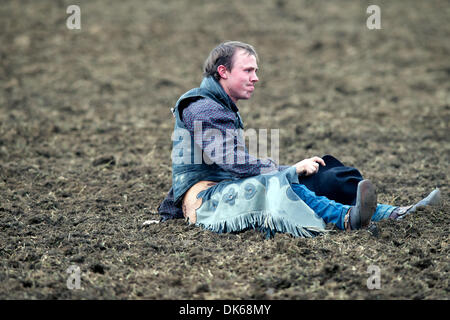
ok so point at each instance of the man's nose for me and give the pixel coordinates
(254, 78)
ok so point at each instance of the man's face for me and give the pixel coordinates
(239, 83)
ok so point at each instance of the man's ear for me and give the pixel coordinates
(222, 70)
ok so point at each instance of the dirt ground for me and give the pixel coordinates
(85, 128)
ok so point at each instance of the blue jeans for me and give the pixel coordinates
(331, 211)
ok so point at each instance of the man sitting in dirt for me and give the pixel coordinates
(225, 196)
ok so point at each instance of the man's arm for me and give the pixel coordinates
(220, 141)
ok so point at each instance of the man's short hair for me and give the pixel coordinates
(223, 55)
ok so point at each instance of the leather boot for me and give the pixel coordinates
(432, 199)
(360, 215)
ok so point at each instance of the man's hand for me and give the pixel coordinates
(309, 166)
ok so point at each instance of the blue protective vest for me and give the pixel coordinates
(187, 173)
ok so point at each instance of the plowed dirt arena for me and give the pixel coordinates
(85, 144)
